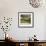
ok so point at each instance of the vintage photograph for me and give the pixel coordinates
(25, 19)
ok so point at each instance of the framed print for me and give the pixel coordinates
(25, 19)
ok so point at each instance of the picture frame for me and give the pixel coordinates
(25, 19)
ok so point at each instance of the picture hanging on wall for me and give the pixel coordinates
(26, 19)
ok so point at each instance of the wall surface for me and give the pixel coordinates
(10, 8)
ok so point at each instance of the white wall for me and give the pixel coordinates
(10, 8)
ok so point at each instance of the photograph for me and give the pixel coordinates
(25, 19)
